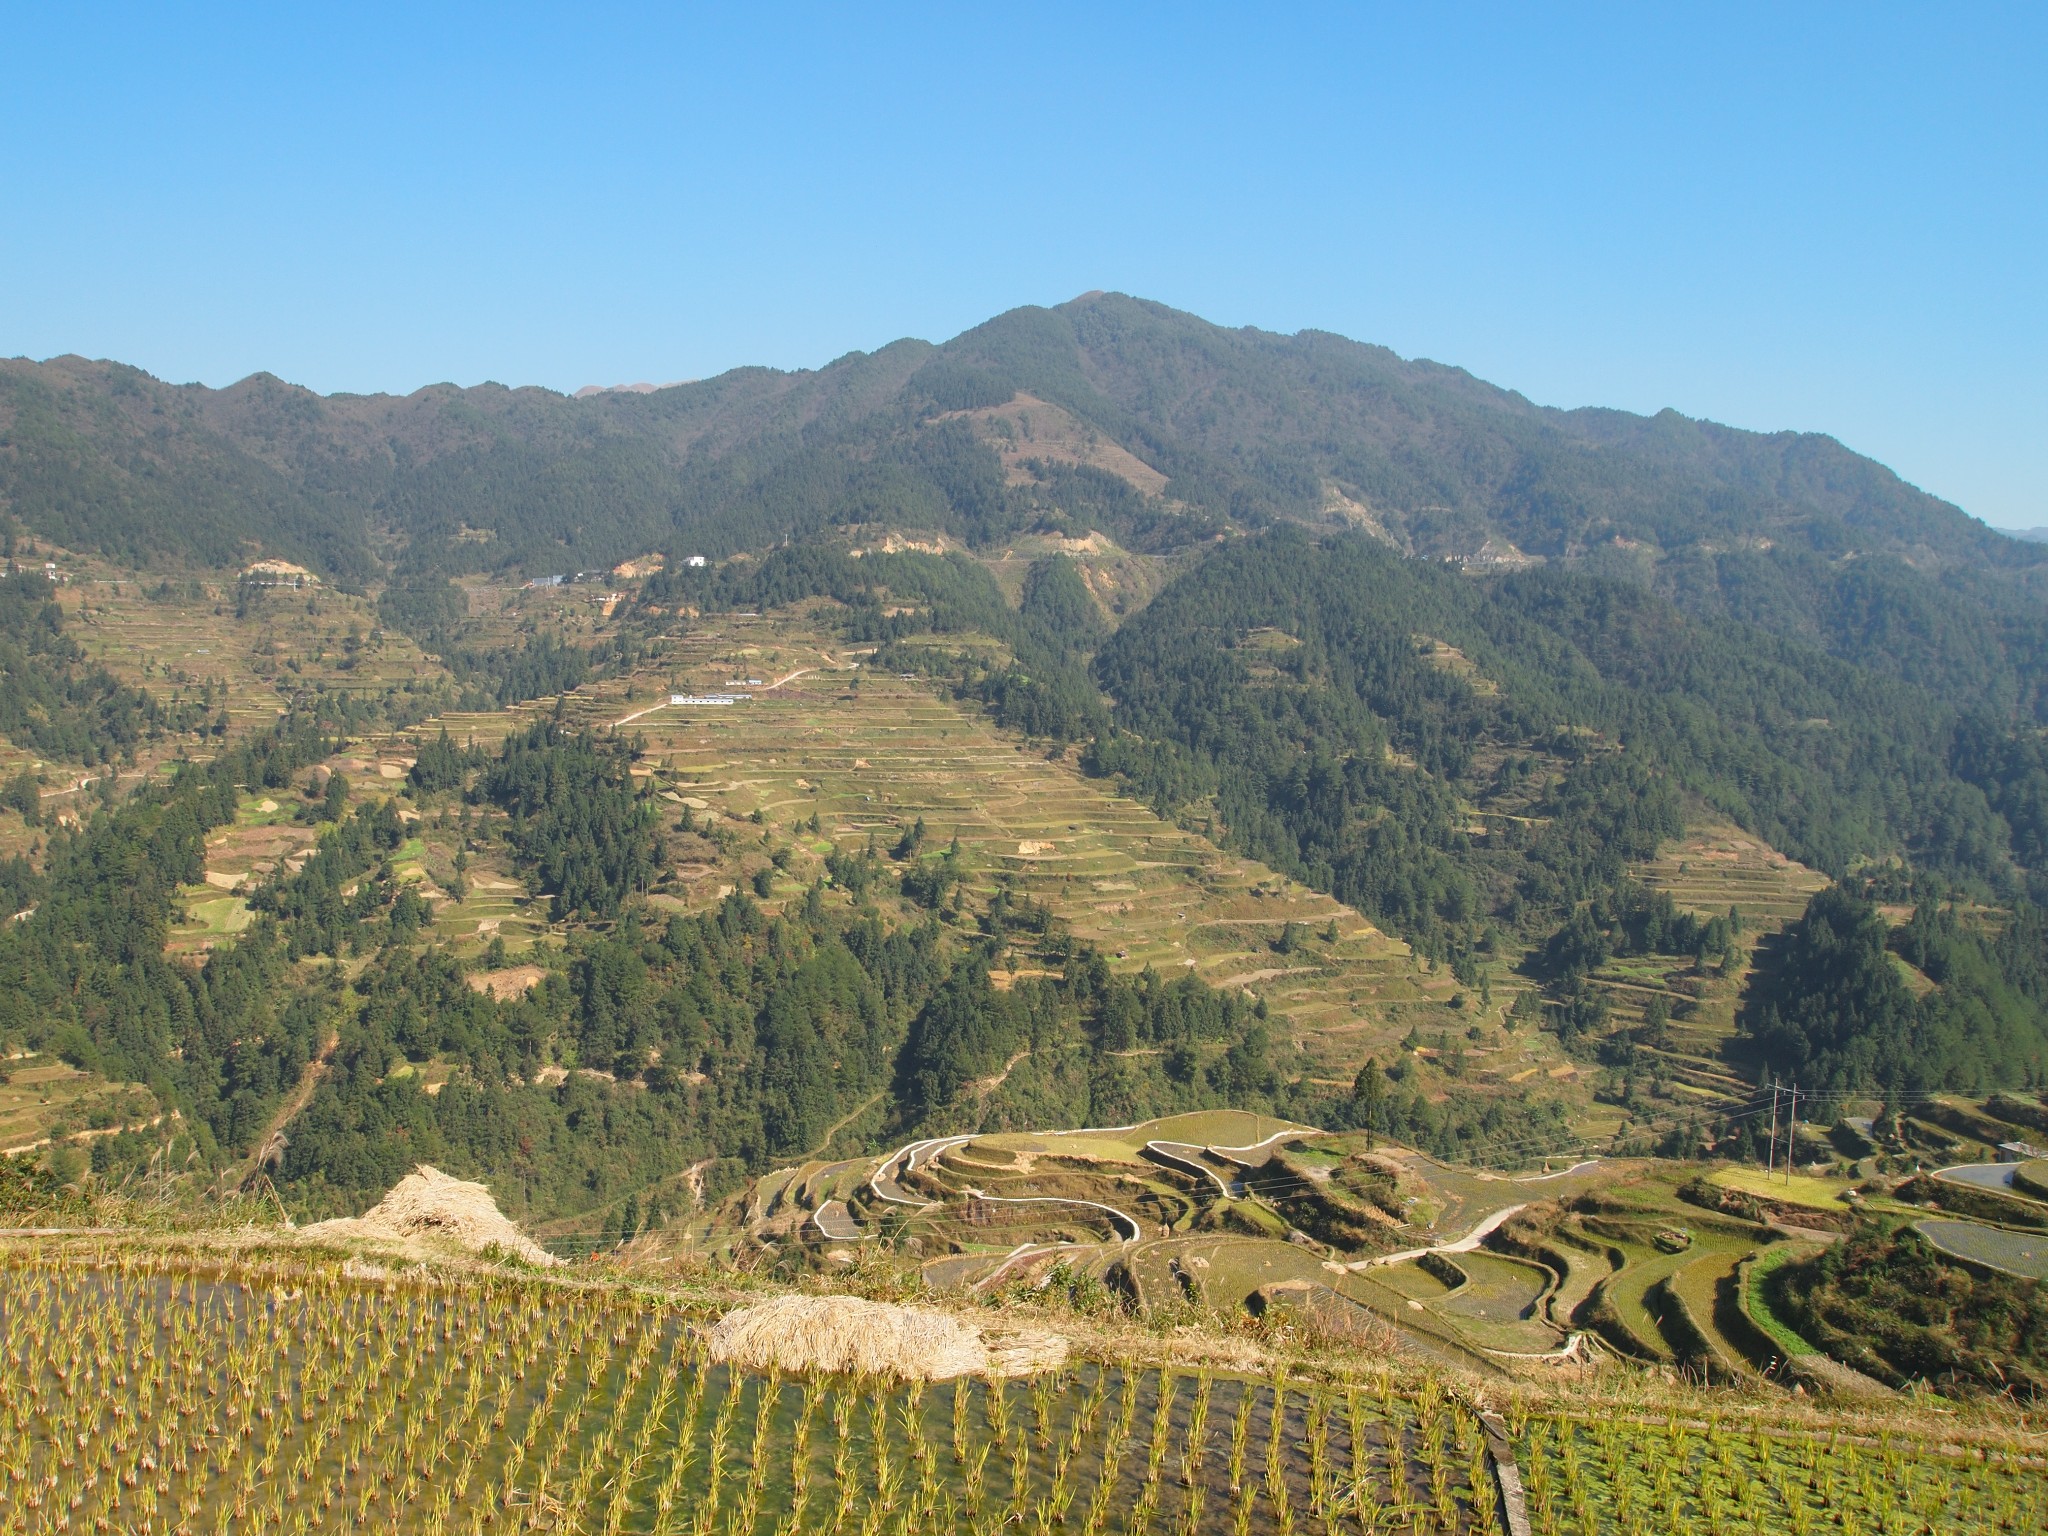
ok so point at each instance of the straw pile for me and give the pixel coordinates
(428, 1206)
(872, 1338)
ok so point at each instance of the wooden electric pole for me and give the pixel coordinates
(1771, 1152)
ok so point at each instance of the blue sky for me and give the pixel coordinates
(1828, 217)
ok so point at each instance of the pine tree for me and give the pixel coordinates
(1369, 1099)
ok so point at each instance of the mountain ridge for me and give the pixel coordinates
(1250, 423)
(1157, 429)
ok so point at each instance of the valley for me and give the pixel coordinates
(1303, 950)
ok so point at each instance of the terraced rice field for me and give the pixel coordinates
(234, 1387)
(1616, 1475)
(2016, 1253)
(1756, 1295)
(1792, 1189)
(1718, 866)
(263, 838)
(1197, 1211)
(1705, 1288)
(1711, 870)
(870, 754)
(42, 1096)
(1499, 1295)
(266, 838)
(1014, 1203)
(278, 649)
(276, 1392)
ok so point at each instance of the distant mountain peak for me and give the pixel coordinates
(1107, 411)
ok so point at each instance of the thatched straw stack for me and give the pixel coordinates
(872, 1338)
(427, 1205)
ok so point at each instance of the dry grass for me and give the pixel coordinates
(427, 1206)
(847, 1335)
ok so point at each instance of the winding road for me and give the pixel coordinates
(1466, 1244)
(911, 1156)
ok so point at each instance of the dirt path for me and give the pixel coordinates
(94, 1135)
(841, 1124)
(1466, 1244)
(640, 714)
(1009, 1262)
(1337, 909)
(272, 1145)
(988, 1085)
(693, 1176)
(1562, 1173)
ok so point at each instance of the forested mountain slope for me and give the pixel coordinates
(1457, 757)
(1305, 673)
(1105, 412)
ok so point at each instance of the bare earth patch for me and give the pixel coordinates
(513, 982)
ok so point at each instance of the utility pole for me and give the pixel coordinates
(1791, 1133)
(1771, 1153)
